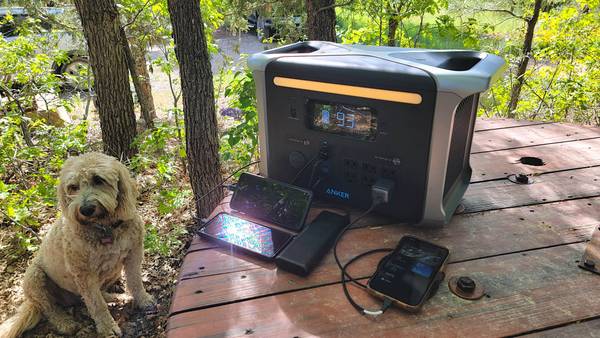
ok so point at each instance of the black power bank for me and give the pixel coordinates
(306, 250)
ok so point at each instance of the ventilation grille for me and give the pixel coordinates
(460, 143)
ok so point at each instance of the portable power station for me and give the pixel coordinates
(340, 116)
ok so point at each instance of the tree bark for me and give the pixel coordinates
(198, 103)
(145, 96)
(320, 20)
(392, 28)
(137, 81)
(101, 28)
(522, 68)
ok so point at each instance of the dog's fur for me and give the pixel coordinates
(73, 261)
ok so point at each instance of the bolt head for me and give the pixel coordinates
(466, 284)
(521, 178)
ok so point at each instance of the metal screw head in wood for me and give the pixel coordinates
(520, 179)
(466, 287)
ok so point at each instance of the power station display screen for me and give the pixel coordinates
(343, 119)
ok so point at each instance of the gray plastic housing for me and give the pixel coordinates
(459, 77)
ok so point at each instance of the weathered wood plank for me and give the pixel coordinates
(558, 156)
(484, 123)
(547, 188)
(216, 261)
(508, 138)
(589, 329)
(528, 291)
(468, 237)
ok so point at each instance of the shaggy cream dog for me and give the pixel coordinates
(99, 234)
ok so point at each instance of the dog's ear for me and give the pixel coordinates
(62, 196)
(127, 196)
(61, 191)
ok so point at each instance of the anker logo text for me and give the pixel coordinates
(339, 194)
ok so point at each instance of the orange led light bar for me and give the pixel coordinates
(357, 91)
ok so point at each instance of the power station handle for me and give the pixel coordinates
(490, 67)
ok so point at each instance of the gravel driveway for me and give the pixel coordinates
(231, 47)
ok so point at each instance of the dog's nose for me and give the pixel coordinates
(87, 210)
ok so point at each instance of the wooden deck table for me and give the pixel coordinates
(522, 242)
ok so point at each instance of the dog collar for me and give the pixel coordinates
(106, 235)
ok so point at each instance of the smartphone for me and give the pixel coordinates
(409, 273)
(249, 236)
(271, 201)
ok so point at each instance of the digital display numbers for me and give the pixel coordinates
(343, 119)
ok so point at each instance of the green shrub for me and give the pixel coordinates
(239, 143)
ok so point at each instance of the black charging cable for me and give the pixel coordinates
(319, 158)
(222, 184)
(227, 178)
(381, 192)
(347, 278)
(306, 165)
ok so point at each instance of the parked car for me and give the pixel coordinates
(77, 60)
(266, 26)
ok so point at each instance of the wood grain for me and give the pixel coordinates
(530, 135)
(589, 329)
(484, 123)
(467, 236)
(547, 188)
(557, 156)
(527, 291)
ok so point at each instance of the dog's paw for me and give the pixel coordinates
(109, 330)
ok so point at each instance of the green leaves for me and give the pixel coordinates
(239, 143)
(561, 80)
(163, 244)
(28, 174)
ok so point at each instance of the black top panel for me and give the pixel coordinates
(368, 71)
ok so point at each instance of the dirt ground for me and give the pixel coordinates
(160, 273)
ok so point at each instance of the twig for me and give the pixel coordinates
(546, 92)
(24, 129)
(89, 93)
(26, 228)
(506, 11)
(132, 21)
(535, 93)
(35, 12)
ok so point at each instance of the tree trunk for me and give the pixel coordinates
(320, 20)
(137, 81)
(392, 28)
(418, 35)
(198, 103)
(145, 95)
(516, 89)
(101, 27)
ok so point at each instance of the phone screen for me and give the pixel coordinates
(409, 271)
(245, 234)
(271, 201)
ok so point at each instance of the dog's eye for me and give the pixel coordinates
(97, 180)
(72, 188)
